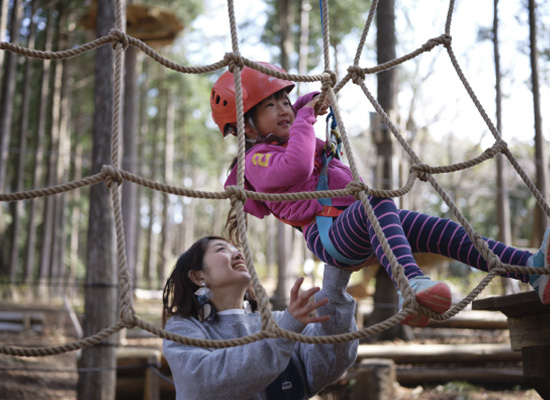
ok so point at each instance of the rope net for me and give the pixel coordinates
(114, 176)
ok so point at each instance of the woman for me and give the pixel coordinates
(205, 298)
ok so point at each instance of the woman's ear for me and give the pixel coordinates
(196, 277)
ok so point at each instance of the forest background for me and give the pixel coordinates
(48, 107)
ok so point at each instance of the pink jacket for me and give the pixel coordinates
(291, 167)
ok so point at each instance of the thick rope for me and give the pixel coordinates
(114, 177)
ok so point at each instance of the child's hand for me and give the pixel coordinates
(313, 104)
(300, 307)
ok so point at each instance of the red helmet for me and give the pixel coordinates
(256, 87)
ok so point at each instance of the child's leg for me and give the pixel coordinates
(427, 234)
(354, 237)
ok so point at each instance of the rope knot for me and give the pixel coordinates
(356, 73)
(445, 40)
(422, 170)
(357, 188)
(501, 146)
(333, 78)
(234, 62)
(236, 193)
(492, 261)
(112, 176)
(120, 38)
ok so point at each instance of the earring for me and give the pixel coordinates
(204, 294)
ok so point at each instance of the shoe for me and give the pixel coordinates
(540, 260)
(433, 295)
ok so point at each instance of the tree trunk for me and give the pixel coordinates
(24, 124)
(59, 163)
(39, 158)
(304, 40)
(142, 135)
(284, 235)
(166, 243)
(152, 260)
(4, 9)
(6, 114)
(63, 167)
(541, 219)
(101, 303)
(503, 204)
(75, 197)
(130, 213)
(385, 298)
(48, 266)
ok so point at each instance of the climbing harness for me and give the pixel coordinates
(324, 220)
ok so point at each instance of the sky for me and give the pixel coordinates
(444, 103)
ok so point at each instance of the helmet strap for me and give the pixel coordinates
(261, 139)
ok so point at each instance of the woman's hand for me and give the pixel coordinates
(300, 306)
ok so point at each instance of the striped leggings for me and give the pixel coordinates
(407, 232)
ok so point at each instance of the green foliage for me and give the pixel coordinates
(346, 17)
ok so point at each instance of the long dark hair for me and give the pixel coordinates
(178, 297)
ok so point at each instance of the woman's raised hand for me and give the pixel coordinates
(301, 307)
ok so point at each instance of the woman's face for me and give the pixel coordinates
(274, 116)
(224, 266)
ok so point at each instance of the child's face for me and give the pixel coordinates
(274, 116)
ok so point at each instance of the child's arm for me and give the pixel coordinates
(303, 100)
(309, 98)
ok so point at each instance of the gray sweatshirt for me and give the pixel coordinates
(243, 372)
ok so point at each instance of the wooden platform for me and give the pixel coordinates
(18, 321)
(440, 353)
(529, 324)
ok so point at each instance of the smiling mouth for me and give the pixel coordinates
(240, 266)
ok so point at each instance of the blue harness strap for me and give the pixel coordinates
(324, 222)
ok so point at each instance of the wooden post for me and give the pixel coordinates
(374, 380)
(529, 324)
(139, 381)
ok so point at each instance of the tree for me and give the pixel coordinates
(101, 302)
(6, 112)
(17, 207)
(385, 293)
(284, 232)
(503, 204)
(540, 218)
(37, 168)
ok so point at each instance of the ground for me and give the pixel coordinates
(55, 377)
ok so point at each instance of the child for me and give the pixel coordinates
(284, 156)
(204, 299)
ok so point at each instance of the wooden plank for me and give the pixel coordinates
(466, 319)
(11, 327)
(20, 316)
(529, 331)
(440, 353)
(470, 319)
(143, 381)
(515, 305)
(134, 355)
(374, 380)
(482, 375)
(536, 369)
(16, 321)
